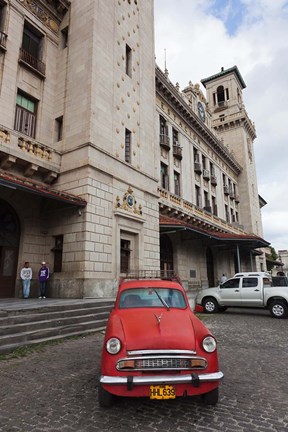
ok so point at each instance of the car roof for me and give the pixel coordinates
(143, 283)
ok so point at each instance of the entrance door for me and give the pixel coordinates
(166, 254)
(9, 241)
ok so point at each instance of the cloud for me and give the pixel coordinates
(200, 37)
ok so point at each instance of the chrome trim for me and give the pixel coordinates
(159, 358)
(160, 352)
(160, 379)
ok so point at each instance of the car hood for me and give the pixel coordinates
(158, 329)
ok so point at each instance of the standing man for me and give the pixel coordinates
(26, 276)
(223, 279)
(43, 276)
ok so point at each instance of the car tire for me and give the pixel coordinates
(211, 398)
(278, 309)
(210, 305)
(105, 398)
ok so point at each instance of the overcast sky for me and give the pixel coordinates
(200, 37)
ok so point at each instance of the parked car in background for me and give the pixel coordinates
(155, 346)
(246, 289)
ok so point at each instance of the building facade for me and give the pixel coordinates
(105, 165)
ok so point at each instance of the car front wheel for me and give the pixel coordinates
(278, 309)
(105, 398)
(211, 398)
(210, 305)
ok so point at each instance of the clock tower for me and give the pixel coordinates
(237, 132)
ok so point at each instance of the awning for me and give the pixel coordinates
(23, 184)
(248, 241)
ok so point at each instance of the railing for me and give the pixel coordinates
(164, 141)
(213, 180)
(226, 190)
(177, 151)
(184, 206)
(32, 61)
(206, 174)
(16, 144)
(3, 38)
(198, 167)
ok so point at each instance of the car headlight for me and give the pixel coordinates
(113, 346)
(209, 344)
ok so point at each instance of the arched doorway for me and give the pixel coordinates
(210, 267)
(166, 253)
(9, 244)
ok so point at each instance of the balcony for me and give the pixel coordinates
(177, 151)
(213, 180)
(3, 38)
(31, 62)
(28, 157)
(164, 141)
(226, 190)
(206, 174)
(232, 194)
(237, 198)
(198, 167)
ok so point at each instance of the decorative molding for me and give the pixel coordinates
(129, 203)
(38, 9)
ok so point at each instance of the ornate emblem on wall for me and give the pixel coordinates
(129, 202)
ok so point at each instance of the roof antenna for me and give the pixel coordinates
(166, 73)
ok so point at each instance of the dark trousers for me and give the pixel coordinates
(43, 285)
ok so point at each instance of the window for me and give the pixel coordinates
(31, 51)
(64, 39)
(175, 137)
(231, 283)
(128, 61)
(176, 183)
(125, 254)
(25, 115)
(214, 206)
(3, 35)
(220, 95)
(128, 146)
(164, 176)
(59, 128)
(227, 213)
(250, 282)
(58, 249)
(198, 196)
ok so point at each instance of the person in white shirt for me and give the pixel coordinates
(223, 279)
(26, 276)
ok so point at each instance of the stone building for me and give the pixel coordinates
(79, 169)
(105, 165)
(210, 220)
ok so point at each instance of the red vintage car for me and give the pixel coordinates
(156, 347)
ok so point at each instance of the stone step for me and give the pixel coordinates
(26, 324)
(40, 315)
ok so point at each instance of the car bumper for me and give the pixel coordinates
(161, 379)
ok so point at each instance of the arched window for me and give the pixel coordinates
(220, 95)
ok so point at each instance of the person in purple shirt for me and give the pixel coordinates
(43, 276)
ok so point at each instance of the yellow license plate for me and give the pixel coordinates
(162, 392)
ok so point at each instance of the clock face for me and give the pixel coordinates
(201, 111)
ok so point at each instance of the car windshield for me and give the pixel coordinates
(151, 297)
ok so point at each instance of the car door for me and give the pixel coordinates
(251, 291)
(230, 292)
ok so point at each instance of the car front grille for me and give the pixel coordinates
(157, 363)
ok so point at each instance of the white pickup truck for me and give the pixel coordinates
(246, 289)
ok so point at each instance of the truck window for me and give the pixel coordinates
(231, 283)
(267, 282)
(249, 282)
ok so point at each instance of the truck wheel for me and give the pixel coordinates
(210, 305)
(211, 398)
(278, 309)
(105, 398)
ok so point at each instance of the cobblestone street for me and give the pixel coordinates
(55, 389)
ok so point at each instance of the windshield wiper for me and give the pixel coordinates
(161, 299)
